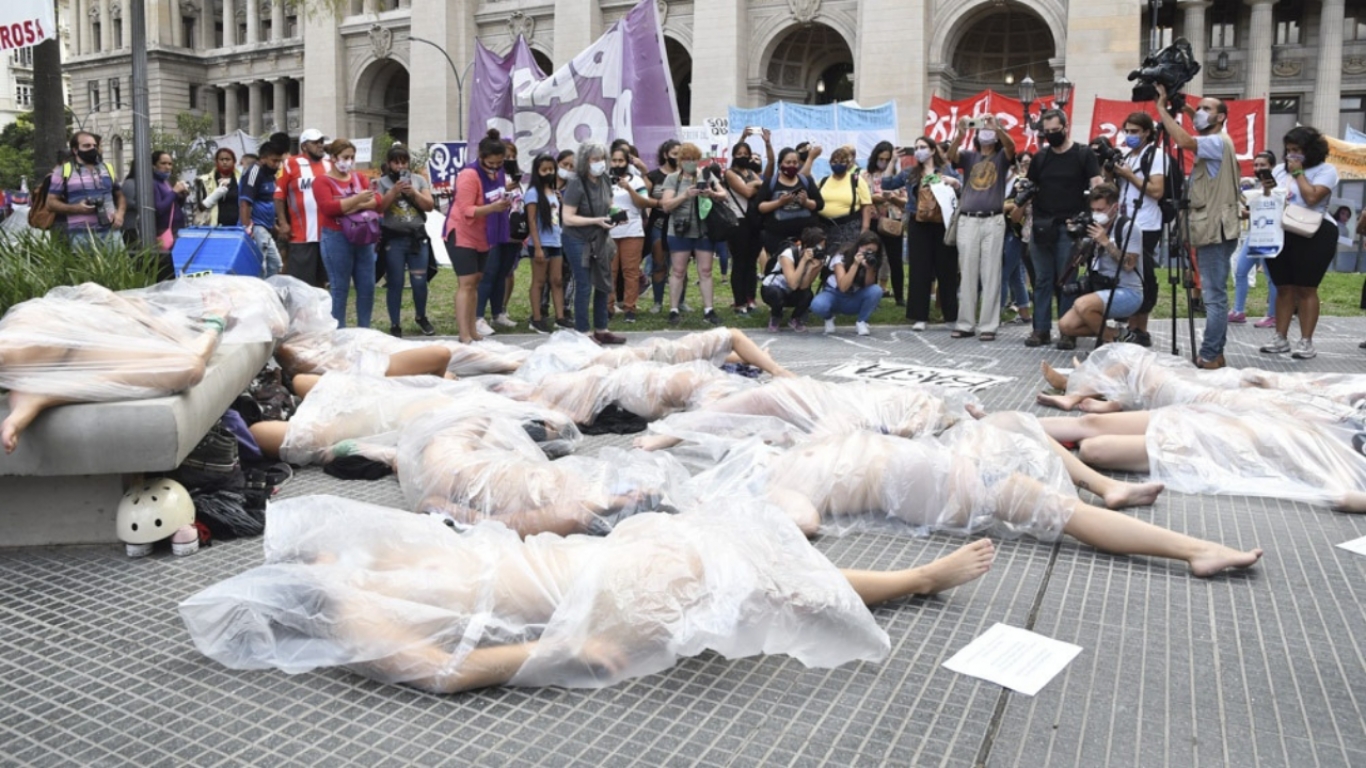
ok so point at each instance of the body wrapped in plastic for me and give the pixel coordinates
(402, 599)
(998, 475)
(345, 406)
(1204, 449)
(470, 463)
(647, 389)
(85, 343)
(566, 351)
(255, 312)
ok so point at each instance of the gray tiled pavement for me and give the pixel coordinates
(1263, 668)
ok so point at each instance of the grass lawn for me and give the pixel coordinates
(1340, 295)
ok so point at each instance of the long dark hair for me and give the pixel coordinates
(1310, 142)
(882, 146)
(664, 149)
(544, 190)
(867, 238)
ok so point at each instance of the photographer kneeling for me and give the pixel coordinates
(788, 278)
(852, 287)
(1113, 267)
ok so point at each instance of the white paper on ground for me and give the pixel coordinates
(1016, 658)
(1355, 545)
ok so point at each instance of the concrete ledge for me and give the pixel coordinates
(62, 485)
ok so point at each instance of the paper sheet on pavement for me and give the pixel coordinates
(1355, 545)
(1016, 658)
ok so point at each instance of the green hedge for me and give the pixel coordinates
(33, 262)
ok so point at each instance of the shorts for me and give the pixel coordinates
(305, 261)
(1126, 302)
(465, 261)
(690, 244)
(1303, 261)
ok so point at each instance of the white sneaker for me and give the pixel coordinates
(862, 328)
(505, 321)
(654, 310)
(830, 325)
(1304, 350)
(684, 308)
(1278, 346)
(918, 327)
(483, 328)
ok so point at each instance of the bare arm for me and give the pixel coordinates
(1179, 135)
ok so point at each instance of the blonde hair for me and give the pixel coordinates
(339, 146)
(689, 151)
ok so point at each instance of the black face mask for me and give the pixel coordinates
(89, 156)
(395, 175)
(1055, 139)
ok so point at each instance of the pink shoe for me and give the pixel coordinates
(1266, 322)
(1237, 317)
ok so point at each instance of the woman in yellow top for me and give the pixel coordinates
(848, 210)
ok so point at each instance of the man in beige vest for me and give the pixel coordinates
(1214, 197)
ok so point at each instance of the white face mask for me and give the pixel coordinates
(1201, 120)
(564, 173)
(345, 166)
(1101, 218)
(986, 136)
(922, 155)
(597, 168)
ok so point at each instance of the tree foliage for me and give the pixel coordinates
(191, 143)
(16, 151)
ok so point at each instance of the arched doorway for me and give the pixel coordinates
(999, 48)
(380, 104)
(810, 64)
(680, 69)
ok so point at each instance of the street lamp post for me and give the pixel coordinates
(459, 81)
(1062, 95)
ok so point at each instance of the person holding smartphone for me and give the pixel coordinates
(682, 199)
(405, 199)
(1262, 163)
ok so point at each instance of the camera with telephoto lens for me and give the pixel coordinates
(1172, 67)
(1025, 190)
(1107, 155)
(1078, 225)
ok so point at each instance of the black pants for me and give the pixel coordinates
(930, 261)
(891, 248)
(744, 245)
(778, 299)
(1151, 292)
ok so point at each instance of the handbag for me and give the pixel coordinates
(360, 227)
(1298, 220)
(519, 228)
(890, 223)
(927, 208)
(721, 223)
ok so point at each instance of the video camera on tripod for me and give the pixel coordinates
(1172, 67)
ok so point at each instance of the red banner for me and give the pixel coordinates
(1246, 125)
(944, 114)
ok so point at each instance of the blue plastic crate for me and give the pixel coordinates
(218, 250)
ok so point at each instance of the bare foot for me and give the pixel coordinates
(24, 407)
(9, 434)
(965, 564)
(1133, 495)
(1050, 374)
(782, 373)
(1216, 558)
(1096, 405)
(976, 411)
(654, 442)
(1352, 501)
(1061, 402)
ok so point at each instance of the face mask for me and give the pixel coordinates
(986, 137)
(882, 165)
(395, 175)
(597, 168)
(564, 173)
(345, 166)
(922, 155)
(839, 168)
(89, 156)
(1295, 157)
(790, 170)
(1101, 218)
(547, 178)
(671, 161)
(1201, 120)
(161, 175)
(1055, 139)
(1133, 141)
(689, 166)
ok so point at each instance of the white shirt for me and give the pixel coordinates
(1149, 217)
(1322, 175)
(622, 199)
(778, 279)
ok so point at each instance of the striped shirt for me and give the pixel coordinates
(295, 186)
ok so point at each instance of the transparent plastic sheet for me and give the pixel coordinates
(1345, 388)
(648, 390)
(482, 357)
(1138, 378)
(401, 599)
(344, 406)
(569, 351)
(1202, 449)
(471, 465)
(309, 308)
(255, 312)
(563, 351)
(16, 223)
(366, 350)
(85, 343)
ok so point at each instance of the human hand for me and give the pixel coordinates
(538, 255)
(603, 658)
(223, 183)
(605, 223)
(815, 150)
(1097, 233)
(404, 187)
(962, 125)
(1294, 163)
(990, 122)
(180, 188)
(117, 221)
(502, 205)
(767, 134)
(282, 230)
(1161, 95)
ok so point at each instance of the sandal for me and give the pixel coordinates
(987, 336)
(961, 335)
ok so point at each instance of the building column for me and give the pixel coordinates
(1103, 44)
(178, 26)
(894, 25)
(1328, 83)
(206, 37)
(231, 107)
(325, 67)
(436, 104)
(253, 22)
(279, 114)
(718, 60)
(208, 100)
(254, 99)
(106, 27)
(1259, 46)
(229, 24)
(575, 30)
(1193, 28)
(78, 32)
(370, 7)
(277, 24)
(126, 30)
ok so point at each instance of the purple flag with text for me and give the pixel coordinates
(618, 88)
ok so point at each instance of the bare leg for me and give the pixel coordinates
(799, 508)
(1061, 402)
(1116, 493)
(1309, 311)
(465, 297)
(23, 409)
(753, 354)
(304, 383)
(427, 360)
(965, 564)
(270, 435)
(1126, 453)
(1285, 308)
(1093, 405)
(1070, 430)
(655, 442)
(1352, 501)
(537, 285)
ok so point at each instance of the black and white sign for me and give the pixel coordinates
(906, 373)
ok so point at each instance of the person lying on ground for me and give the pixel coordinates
(566, 351)
(401, 599)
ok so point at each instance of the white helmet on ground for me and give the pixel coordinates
(153, 510)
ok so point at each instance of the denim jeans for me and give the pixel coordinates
(344, 263)
(405, 254)
(1049, 262)
(493, 286)
(1213, 261)
(264, 237)
(583, 280)
(830, 302)
(1014, 289)
(1241, 270)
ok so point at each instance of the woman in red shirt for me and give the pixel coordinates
(338, 193)
(480, 191)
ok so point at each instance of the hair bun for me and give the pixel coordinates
(494, 134)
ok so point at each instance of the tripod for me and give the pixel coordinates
(1175, 240)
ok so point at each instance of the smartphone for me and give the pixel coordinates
(618, 217)
(406, 176)
(703, 186)
(975, 123)
(1264, 174)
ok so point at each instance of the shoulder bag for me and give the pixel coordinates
(1298, 220)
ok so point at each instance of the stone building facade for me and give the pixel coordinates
(380, 65)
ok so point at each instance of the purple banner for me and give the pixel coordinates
(618, 88)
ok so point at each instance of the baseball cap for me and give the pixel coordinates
(311, 134)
